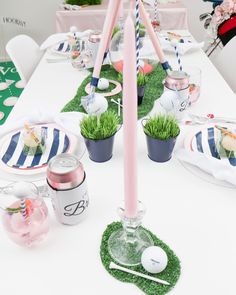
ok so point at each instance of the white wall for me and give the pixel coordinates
(40, 18)
(195, 8)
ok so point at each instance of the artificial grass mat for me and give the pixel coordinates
(171, 274)
(9, 74)
(153, 90)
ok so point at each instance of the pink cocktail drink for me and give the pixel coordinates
(30, 230)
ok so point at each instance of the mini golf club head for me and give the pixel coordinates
(204, 16)
(207, 23)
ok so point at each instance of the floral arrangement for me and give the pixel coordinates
(223, 12)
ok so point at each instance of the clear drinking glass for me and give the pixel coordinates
(25, 215)
(194, 83)
(34, 141)
(81, 56)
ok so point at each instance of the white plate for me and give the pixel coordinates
(13, 160)
(205, 139)
(62, 48)
(191, 144)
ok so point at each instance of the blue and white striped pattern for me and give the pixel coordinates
(137, 35)
(155, 10)
(57, 142)
(178, 59)
(205, 141)
(63, 47)
(77, 43)
(23, 208)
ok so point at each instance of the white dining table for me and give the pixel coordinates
(195, 217)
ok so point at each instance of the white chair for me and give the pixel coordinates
(25, 54)
(225, 62)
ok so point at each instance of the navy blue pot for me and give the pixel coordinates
(160, 150)
(100, 150)
(140, 90)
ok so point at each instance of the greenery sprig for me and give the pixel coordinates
(142, 79)
(83, 2)
(96, 128)
(162, 127)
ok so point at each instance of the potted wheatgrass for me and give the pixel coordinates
(161, 132)
(141, 84)
(99, 134)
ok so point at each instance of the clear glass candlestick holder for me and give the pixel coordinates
(127, 244)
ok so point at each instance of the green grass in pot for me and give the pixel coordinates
(96, 128)
(115, 30)
(142, 29)
(162, 127)
(83, 2)
(141, 79)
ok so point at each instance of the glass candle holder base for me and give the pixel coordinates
(127, 244)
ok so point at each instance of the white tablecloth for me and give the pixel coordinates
(172, 16)
(195, 218)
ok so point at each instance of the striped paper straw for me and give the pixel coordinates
(77, 42)
(178, 59)
(23, 208)
(155, 10)
(137, 35)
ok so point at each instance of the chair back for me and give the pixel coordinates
(11, 26)
(25, 54)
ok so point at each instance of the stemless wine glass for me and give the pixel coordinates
(81, 56)
(34, 141)
(194, 83)
(25, 215)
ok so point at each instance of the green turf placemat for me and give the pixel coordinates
(9, 74)
(153, 90)
(171, 274)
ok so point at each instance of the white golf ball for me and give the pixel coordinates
(98, 106)
(73, 29)
(154, 259)
(103, 84)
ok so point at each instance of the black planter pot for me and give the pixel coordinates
(100, 150)
(140, 90)
(160, 150)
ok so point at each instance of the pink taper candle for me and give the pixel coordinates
(121, 9)
(130, 120)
